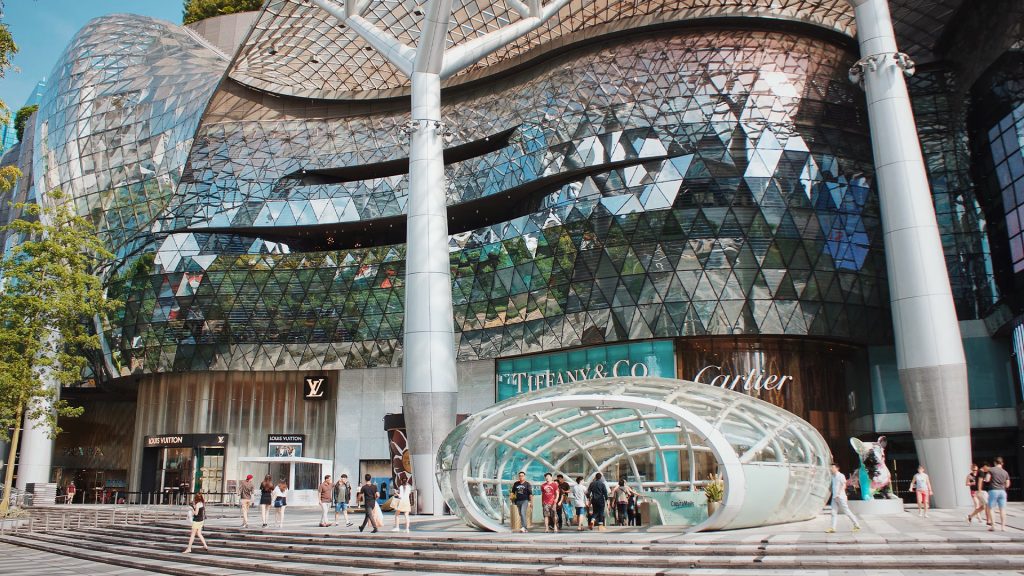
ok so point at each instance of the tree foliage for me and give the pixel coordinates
(49, 293)
(7, 49)
(196, 10)
(21, 118)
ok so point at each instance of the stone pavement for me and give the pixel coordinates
(941, 545)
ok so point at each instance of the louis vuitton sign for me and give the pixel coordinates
(315, 388)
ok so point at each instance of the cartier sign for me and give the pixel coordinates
(753, 380)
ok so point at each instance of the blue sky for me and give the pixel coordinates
(43, 28)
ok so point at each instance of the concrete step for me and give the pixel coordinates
(607, 550)
(287, 554)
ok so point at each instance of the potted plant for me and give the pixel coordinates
(714, 491)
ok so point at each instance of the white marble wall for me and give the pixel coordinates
(365, 396)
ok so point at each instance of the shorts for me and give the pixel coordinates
(581, 510)
(340, 506)
(997, 499)
(197, 525)
(549, 510)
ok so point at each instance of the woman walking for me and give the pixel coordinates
(198, 517)
(266, 497)
(621, 493)
(280, 495)
(923, 486)
(973, 485)
(404, 505)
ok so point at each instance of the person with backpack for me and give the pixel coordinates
(597, 492)
(621, 494)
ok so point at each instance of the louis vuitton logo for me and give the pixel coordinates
(315, 387)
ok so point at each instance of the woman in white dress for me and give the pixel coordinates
(402, 493)
(280, 496)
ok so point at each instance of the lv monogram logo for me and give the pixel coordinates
(314, 387)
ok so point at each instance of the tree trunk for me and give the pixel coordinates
(11, 455)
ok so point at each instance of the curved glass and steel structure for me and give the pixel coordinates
(665, 437)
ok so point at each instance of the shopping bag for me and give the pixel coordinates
(377, 517)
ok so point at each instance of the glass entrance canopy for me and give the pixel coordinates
(664, 437)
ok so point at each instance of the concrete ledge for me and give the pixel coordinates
(867, 508)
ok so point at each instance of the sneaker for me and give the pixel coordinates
(361, 528)
(395, 529)
(264, 525)
(830, 531)
(374, 531)
(522, 529)
(856, 528)
(406, 530)
(347, 524)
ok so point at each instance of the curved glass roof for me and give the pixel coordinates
(297, 49)
(664, 437)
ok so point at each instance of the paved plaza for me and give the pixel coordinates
(942, 544)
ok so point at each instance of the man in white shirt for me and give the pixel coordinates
(839, 503)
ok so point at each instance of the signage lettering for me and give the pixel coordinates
(165, 440)
(753, 380)
(287, 438)
(316, 387)
(546, 379)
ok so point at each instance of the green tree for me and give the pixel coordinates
(22, 117)
(196, 10)
(48, 294)
(8, 174)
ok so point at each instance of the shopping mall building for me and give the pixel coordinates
(680, 189)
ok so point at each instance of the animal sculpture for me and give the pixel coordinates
(873, 478)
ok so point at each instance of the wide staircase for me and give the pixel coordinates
(155, 545)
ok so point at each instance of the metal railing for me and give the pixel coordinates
(902, 489)
(77, 517)
(155, 498)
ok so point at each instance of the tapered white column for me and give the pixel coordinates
(929, 352)
(429, 374)
(35, 453)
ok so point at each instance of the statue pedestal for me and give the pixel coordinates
(876, 507)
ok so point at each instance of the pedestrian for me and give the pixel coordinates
(974, 485)
(280, 495)
(633, 511)
(621, 494)
(999, 484)
(597, 493)
(342, 496)
(369, 494)
(578, 496)
(403, 493)
(839, 502)
(564, 507)
(71, 492)
(198, 517)
(984, 483)
(549, 500)
(923, 487)
(266, 497)
(523, 493)
(326, 497)
(245, 490)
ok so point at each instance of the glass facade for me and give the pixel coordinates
(708, 183)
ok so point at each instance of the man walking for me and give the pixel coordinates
(245, 490)
(549, 499)
(839, 503)
(597, 492)
(342, 496)
(326, 495)
(563, 510)
(369, 494)
(523, 493)
(999, 483)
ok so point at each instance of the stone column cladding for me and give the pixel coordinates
(930, 356)
(428, 373)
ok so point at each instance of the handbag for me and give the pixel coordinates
(567, 510)
(280, 502)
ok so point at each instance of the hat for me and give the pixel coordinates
(249, 477)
